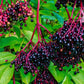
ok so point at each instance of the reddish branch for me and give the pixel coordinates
(38, 28)
(13, 79)
(73, 9)
(81, 11)
(68, 13)
(1, 3)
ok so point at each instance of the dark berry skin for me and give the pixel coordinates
(64, 3)
(75, 73)
(31, 20)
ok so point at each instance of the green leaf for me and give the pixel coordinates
(7, 74)
(1, 49)
(48, 17)
(17, 30)
(78, 78)
(45, 12)
(50, 6)
(9, 41)
(30, 25)
(49, 27)
(67, 80)
(33, 77)
(67, 68)
(59, 18)
(82, 64)
(58, 75)
(28, 35)
(11, 82)
(6, 56)
(2, 68)
(4, 1)
(25, 78)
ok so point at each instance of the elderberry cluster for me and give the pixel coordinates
(64, 2)
(31, 60)
(40, 56)
(18, 12)
(44, 77)
(65, 48)
(68, 43)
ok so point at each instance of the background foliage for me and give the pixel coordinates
(52, 19)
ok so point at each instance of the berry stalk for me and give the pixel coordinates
(73, 9)
(13, 79)
(38, 28)
(67, 13)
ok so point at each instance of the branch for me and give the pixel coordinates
(13, 79)
(31, 39)
(73, 9)
(38, 12)
(67, 13)
(1, 3)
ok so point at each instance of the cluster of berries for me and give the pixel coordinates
(14, 12)
(68, 43)
(64, 2)
(65, 48)
(44, 77)
(40, 56)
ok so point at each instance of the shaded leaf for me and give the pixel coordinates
(59, 18)
(1, 49)
(48, 17)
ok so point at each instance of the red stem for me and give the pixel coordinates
(81, 4)
(38, 32)
(1, 3)
(11, 1)
(81, 9)
(13, 79)
(68, 13)
(31, 39)
(38, 12)
(76, 15)
(73, 9)
(38, 28)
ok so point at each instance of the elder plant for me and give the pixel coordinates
(45, 61)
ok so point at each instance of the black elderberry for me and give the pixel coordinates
(31, 20)
(75, 73)
(80, 67)
(10, 66)
(21, 24)
(20, 27)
